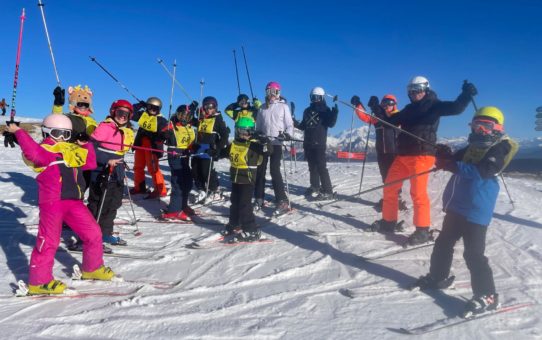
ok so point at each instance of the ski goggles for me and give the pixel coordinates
(244, 133)
(316, 98)
(485, 126)
(82, 105)
(57, 133)
(153, 108)
(416, 88)
(243, 102)
(272, 92)
(388, 102)
(119, 113)
(209, 106)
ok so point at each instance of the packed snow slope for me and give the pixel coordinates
(290, 288)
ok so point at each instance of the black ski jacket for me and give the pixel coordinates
(317, 118)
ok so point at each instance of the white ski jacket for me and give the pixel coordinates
(273, 119)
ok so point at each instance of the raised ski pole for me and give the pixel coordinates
(365, 158)
(500, 174)
(350, 138)
(41, 5)
(17, 63)
(236, 72)
(93, 59)
(172, 88)
(248, 73)
(386, 123)
(161, 62)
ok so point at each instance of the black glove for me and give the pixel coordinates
(335, 98)
(284, 136)
(355, 101)
(9, 139)
(445, 158)
(469, 89)
(373, 102)
(139, 106)
(60, 96)
(211, 152)
(444, 151)
(193, 106)
(82, 136)
(335, 109)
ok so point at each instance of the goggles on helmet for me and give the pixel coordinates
(485, 126)
(316, 98)
(120, 113)
(153, 108)
(57, 133)
(82, 105)
(388, 102)
(272, 92)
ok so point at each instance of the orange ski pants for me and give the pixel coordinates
(404, 166)
(149, 159)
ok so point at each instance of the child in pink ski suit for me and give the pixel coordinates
(60, 198)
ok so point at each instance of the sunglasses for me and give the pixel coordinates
(121, 113)
(57, 133)
(485, 126)
(388, 102)
(154, 108)
(83, 105)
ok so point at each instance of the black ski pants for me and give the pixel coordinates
(276, 176)
(112, 202)
(316, 159)
(384, 163)
(181, 184)
(241, 213)
(200, 173)
(474, 239)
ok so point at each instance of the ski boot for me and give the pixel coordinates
(258, 204)
(428, 282)
(324, 196)
(229, 229)
(311, 192)
(103, 274)
(189, 211)
(156, 194)
(140, 189)
(114, 240)
(176, 216)
(283, 207)
(378, 206)
(54, 287)
(247, 236)
(481, 304)
(420, 236)
(383, 226)
(212, 196)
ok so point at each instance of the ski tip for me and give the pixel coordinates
(400, 330)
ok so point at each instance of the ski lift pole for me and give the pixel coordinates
(161, 62)
(93, 59)
(364, 158)
(17, 63)
(172, 88)
(41, 5)
(500, 174)
(236, 72)
(248, 73)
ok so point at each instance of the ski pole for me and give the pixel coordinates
(172, 89)
(201, 86)
(365, 158)
(283, 147)
(161, 62)
(236, 72)
(292, 109)
(350, 138)
(385, 122)
(134, 221)
(93, 59)
(17, 63)
(248, 73)
(140, 148)
(208, 179)
(41, 5)
(500, 174)
(102, 201)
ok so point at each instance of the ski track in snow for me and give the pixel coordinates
(290, 289)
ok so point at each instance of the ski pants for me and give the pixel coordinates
(455, 227)
(181, 184)
(384, 163)
(241, 213)
(79, 218)
(142, 159)
(316, 157)
(112, 201)
(404, 166)
(276, 176)
(200, 173)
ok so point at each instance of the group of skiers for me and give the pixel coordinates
(196, 137)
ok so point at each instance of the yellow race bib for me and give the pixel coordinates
(238, 155)
(184, 136)
(148, 122)
(90, 123)
(206, 125)
(73, 156)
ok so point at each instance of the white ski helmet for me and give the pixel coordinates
(317, 94)
(418, 83)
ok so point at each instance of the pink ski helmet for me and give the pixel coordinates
(272, 89)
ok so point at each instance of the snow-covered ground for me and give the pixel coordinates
(292, 288)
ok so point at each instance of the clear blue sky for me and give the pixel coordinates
(347, 47)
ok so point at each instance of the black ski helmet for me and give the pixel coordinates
(209, 101)
(242, 96)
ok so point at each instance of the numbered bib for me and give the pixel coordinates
(238, 155)
(73, 156)
(184, 136)
(148, 122)
(206, 125)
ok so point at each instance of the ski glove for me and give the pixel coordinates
(355, 101)
(82, 136)
(335, 109)
(139, 106)
(373, 103)
(60, 96)
(193, 106)
(9, 139)
(469, 89)
(445, 158)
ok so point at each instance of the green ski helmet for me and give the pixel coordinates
(244, 128)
